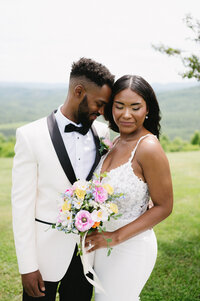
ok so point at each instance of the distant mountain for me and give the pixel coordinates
(158, 87)
(180, 112)
(22, 103)
(173, 86)
(42, 86)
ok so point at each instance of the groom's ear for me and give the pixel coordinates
(79, 91)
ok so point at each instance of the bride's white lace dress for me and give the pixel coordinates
(124, 273)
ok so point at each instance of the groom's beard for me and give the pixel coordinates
(84, 114)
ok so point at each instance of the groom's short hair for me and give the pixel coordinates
(93, 71)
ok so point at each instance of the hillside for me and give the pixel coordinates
(24, 103)
(180, 112)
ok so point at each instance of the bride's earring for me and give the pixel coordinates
(147, 117)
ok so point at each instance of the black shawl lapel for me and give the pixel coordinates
(60, 148)
(98, 156)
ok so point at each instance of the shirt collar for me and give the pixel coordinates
(62, 121)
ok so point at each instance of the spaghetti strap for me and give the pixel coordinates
(115, 141)
(135, 148)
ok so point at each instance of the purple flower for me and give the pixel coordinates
(100, 194)
(83, 221)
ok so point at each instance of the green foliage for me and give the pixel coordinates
(177, 145)
(165, 141)
(2, 138)
(168, 50)
(6, 146)
(195, 140)
(192, 62)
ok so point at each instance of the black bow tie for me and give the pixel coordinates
(73, 128)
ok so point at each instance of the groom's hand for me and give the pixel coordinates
(33, 284)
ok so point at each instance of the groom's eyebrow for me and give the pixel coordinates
(132, 104)
(102, 101)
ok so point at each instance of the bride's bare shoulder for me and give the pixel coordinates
(150, 148)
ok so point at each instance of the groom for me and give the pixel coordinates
(50, 155)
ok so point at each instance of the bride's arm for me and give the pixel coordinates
(154, 163)
(155, 166)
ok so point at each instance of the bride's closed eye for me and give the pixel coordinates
(119, 107)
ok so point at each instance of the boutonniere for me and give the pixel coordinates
(105, 145)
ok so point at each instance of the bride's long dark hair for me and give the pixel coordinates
(140, 86)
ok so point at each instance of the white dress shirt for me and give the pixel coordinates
(81, 149)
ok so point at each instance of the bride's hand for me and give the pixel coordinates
(97, 240)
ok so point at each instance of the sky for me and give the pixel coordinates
(39, 39)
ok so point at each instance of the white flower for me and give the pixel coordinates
(106, 207)
(61, 216)
(99, 215)
(66, 219)
(80, 184)
(77, 203)
(93, 204)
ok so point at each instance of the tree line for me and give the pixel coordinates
(176, 145)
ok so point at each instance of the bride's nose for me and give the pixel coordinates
(127, 113)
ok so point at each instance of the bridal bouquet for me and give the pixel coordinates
(85, 206)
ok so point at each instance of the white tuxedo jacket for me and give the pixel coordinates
(41, 172)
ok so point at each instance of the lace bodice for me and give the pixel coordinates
(136, 194)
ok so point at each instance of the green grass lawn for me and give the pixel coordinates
(177, 271)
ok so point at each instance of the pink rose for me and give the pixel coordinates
(108, 143)
(68, 192)
(100, 194)
(83, 221)
(96, 182)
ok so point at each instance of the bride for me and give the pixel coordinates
(136, 166)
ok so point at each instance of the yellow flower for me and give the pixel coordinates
(99, 214)
(80, 193)
(114, 208)
(108, 188)
(66, 206)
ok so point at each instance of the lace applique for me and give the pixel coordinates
(136, 194)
